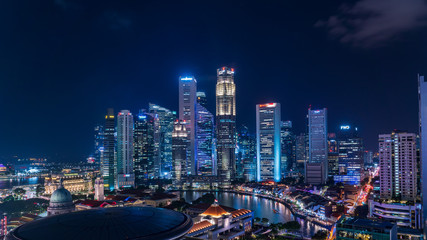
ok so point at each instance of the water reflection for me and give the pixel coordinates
(10, 183)
(262, 208)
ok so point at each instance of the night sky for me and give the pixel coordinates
(63, 62)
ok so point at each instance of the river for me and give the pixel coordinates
(10, 183)
(262, 208)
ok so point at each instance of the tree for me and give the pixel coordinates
(257, 219)
(292, 225)
(19, 191)
(265, 220)
(320, 235)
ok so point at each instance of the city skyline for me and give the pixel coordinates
(83, 75)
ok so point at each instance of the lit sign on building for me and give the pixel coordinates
(186, 78)
(269, 105)
(345, 127)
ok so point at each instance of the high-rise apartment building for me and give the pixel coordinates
(226, 125)
(125, 173)
(166, 120)
(287, 140)
(204, 141)
(187, 112)
(268, 125)
(350, 162)
(316, 169)
(145, 147)
(108, 166)
(180, 145)
(398, 166)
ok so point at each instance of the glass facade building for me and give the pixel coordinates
(125, 172)
(108, 166)
(287, 140)
(204, 141)
(246, 155)
(268, 125)
(226, 125)
(180, 144)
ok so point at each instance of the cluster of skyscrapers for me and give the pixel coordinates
(159, 143)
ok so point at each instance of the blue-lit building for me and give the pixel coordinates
(422, 114)
(316, 168)
(246, 155)
(145, 149)
(163, 138)
(124, 165)
(333, 156)
(204, 141)
(287, 139)
(350, 160)
(99, 143)
(268, 121)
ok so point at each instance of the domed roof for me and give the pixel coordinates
(144, 223)
(215, 211)
(61, 195)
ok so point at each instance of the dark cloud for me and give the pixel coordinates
(371, 23)
(117, 21)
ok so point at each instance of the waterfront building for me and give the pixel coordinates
(180, 156)
(333, 156)
(60, 202)
(187, 112)
(287, 141)
(226, 125)
(99, 189)
(246, 155)
(163, 136)
(108, 165)
(268, 142)
(123, 223)
(350, 162)
(204, 141)
(125, 172)
(73, 182)
(316, 169)
(217, 223)
(146, 151)
(398, 166)
(422, 118)
(358, 228)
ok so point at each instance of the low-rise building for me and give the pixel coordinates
(403, 214)
(357, 228)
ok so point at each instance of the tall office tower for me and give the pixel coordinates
(125, 173)
(316, 169)
(201, 98)
(398, 166)
(287, 140)
(300, 151)
(350, 162)
(422, 115)
(268, 142)
(368, 157)
(333, 156)
(180, 145)
(166, 120)
(108, 166)
(226, 125)
(99, 143)
(204, 141)
(246, 154)
(145, 148)
(99, 189)
(187, 112)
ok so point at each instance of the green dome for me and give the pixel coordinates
(61, 195)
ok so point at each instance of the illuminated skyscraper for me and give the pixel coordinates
(145, 148)
(187, 112)
(268, 126)
(333, 156)
(316, 169)
(350, 161)
(422, 115)
(125, 173)
(204, 141)
(166, 120)
(226, 124)
(179, 151)
(398, 166)
(99, 143)
(201, 98)
(246, 157)
(108, 165)
(287, 140)
(300, 151)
